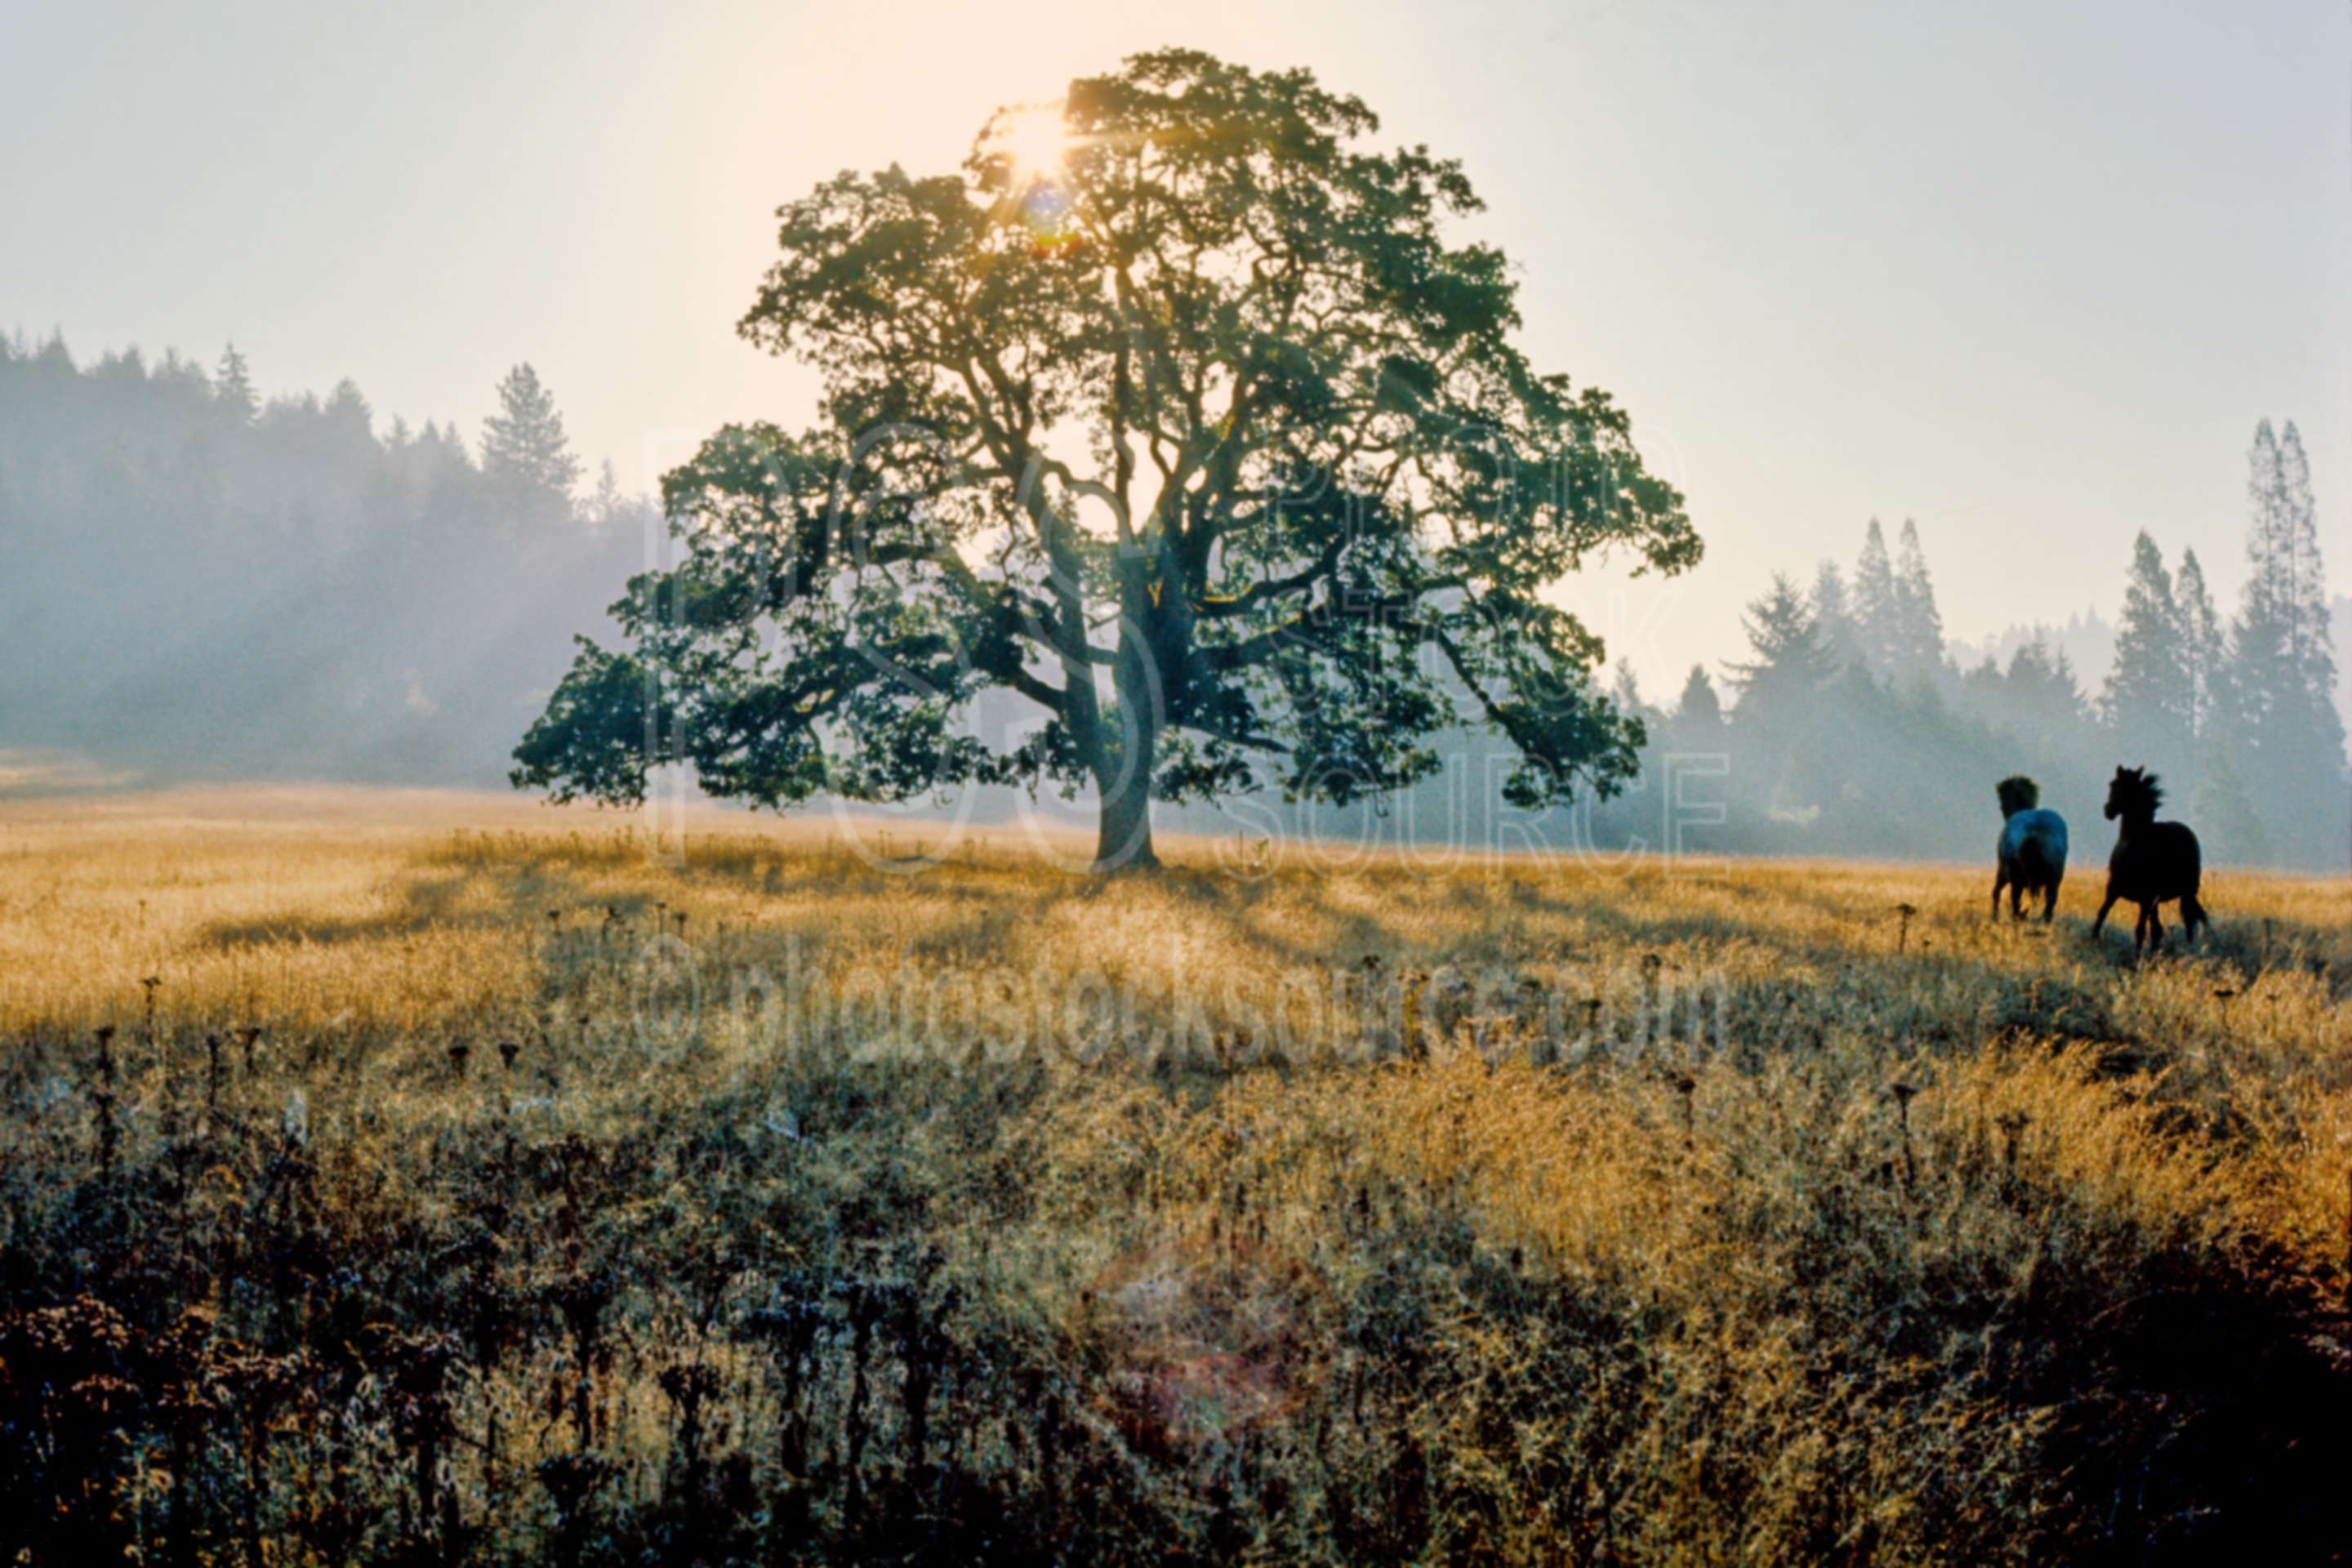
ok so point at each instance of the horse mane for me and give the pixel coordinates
(2137, 792)
(2017, 792)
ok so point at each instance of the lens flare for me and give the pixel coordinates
(1037, 139)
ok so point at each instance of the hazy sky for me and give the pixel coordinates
(2028, 272)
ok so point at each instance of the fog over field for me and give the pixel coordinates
(214, 583)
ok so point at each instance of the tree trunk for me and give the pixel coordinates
(1125, 756)
(1123, 838)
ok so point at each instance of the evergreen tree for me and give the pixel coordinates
(1774, 725)
(1833, 616)
(1877, 606)
(1920, 636)
(2227, 822)
(233, 387)
(1790, 663)
(184, 377)
(1698, 712)
(2063, 675)
(2281, 718)
(2311, 638)
(1984, 691)
(2283, 701)
(608, 503)
(1626, 690)
(2204, 647)
(524, 449)
(441, 454)
(348, 407)
(2043, 700)
(2263, 636)
(2149, 702)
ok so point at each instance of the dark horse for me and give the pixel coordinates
(2153, 860)
(2030, 855)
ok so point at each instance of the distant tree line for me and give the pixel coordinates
(198, 583)
(201, 582)
(1852, 729)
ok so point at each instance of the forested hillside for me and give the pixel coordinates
(199, 582)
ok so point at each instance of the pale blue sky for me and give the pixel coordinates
(2027, 272)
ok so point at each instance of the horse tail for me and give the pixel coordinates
(2038, 842)
(2039, 856)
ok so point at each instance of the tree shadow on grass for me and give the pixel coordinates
(517, 896)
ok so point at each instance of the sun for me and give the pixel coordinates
(1036, 139)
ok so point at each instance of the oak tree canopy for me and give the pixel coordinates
(1174, 412)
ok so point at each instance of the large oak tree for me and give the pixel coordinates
(1177, 413)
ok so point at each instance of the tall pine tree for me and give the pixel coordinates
(2311, 639)
(233, 387)
(605, 507)
(1777, 685)
(2040, 700)
(2264, 633)
(1698, 712)
(2204, 647)
(1877, 621)
(524, 449)
(2148, 703)
(1920, 624)
(1626, 690)
(1833, 616)
(2284, 731)
(1775, 724)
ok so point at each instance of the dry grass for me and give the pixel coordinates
(1387, 1210)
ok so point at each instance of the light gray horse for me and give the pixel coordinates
(2031, 854)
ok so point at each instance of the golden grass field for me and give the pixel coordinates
(458, 1181)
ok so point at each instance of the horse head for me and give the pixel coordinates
(2133, 796)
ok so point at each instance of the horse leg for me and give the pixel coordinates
(1998, 878)
(2193, 917)
(2139, 932)
(2050, 901)
(2154, 929)
(2017, 900)
(2100, 923)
